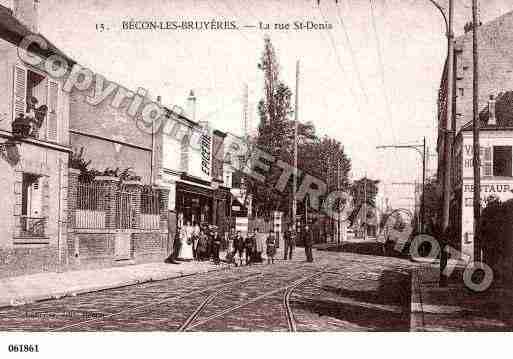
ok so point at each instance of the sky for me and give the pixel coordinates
(371, 80)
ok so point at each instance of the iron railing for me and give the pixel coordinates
(32, 227)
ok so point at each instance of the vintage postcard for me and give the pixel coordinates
(254, 166)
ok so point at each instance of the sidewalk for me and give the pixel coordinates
(457, 308)
(30, 288)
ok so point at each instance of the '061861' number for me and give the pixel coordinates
(23, 348)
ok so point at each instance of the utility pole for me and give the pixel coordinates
(339, 234)
(422, 155)
(296, 119)
(447, 141)
(365, 207)
(475, 108)
(422, 205)
(245, 127)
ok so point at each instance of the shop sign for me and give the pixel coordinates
(206, 153)
(490, 188)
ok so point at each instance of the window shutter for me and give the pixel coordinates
(52, 127)
(487, 162)
(19, 91)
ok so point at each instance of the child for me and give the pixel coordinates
(271, 247)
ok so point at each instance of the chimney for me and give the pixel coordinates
(191, 106)
(492, 120)
(27, 12)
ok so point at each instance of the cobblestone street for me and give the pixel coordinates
(338, 292)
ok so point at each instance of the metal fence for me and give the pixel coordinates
(126, 209)
(150, 208)
(132, 209)
(91, 206)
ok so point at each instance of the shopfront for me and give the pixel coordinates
(194, 202)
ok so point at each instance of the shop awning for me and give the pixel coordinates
(194, 188)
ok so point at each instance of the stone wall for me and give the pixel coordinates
(16, 261)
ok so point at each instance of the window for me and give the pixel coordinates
(486, 161)
(502, 161)
(35, 96)
(461, 91)
(32, 222)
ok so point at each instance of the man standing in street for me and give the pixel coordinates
(308, 243)
(172, 236)
(289, 242)
(216, 246)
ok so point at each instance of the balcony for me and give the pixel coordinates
(31, 227)
(29, 125)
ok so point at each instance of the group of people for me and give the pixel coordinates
(250, 249)
(196, 243)
(204, 243)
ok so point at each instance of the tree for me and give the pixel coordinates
(323, 159)
(358, 189)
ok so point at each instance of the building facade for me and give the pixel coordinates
(34, 118)
(496, 143)
(495, 42)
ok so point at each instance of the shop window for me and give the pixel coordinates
(502, 158)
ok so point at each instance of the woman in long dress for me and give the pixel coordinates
(186, 242)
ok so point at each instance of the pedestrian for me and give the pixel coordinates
(290, 242)
(171, 237)
(270, 247)
(186, 252)
(238, 245)
(308, 243)
(249, 246)
(259, 245)
(230, 250)
(195, 238)
(177, 244)
(216, 246)
(202, 248)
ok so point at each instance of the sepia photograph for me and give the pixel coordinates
(253, 167)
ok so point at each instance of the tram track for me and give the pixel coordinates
(287, 291)
(213, 292)
(152, 304)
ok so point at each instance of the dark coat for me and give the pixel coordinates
(271, 245)
(308, 238)
(250, 243)
(238, 243)
(290, 237)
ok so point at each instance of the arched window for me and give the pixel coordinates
(184, 154)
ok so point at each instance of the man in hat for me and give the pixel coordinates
(289, 242)
(308, 243)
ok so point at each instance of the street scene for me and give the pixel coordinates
(228, 166)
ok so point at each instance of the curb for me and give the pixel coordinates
(15, 302)
(416, 306)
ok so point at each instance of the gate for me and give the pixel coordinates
(127, 205)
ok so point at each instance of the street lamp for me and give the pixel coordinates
(423, 159)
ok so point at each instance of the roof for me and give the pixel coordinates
(488, 26)
(13, 31)
(503, 114)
